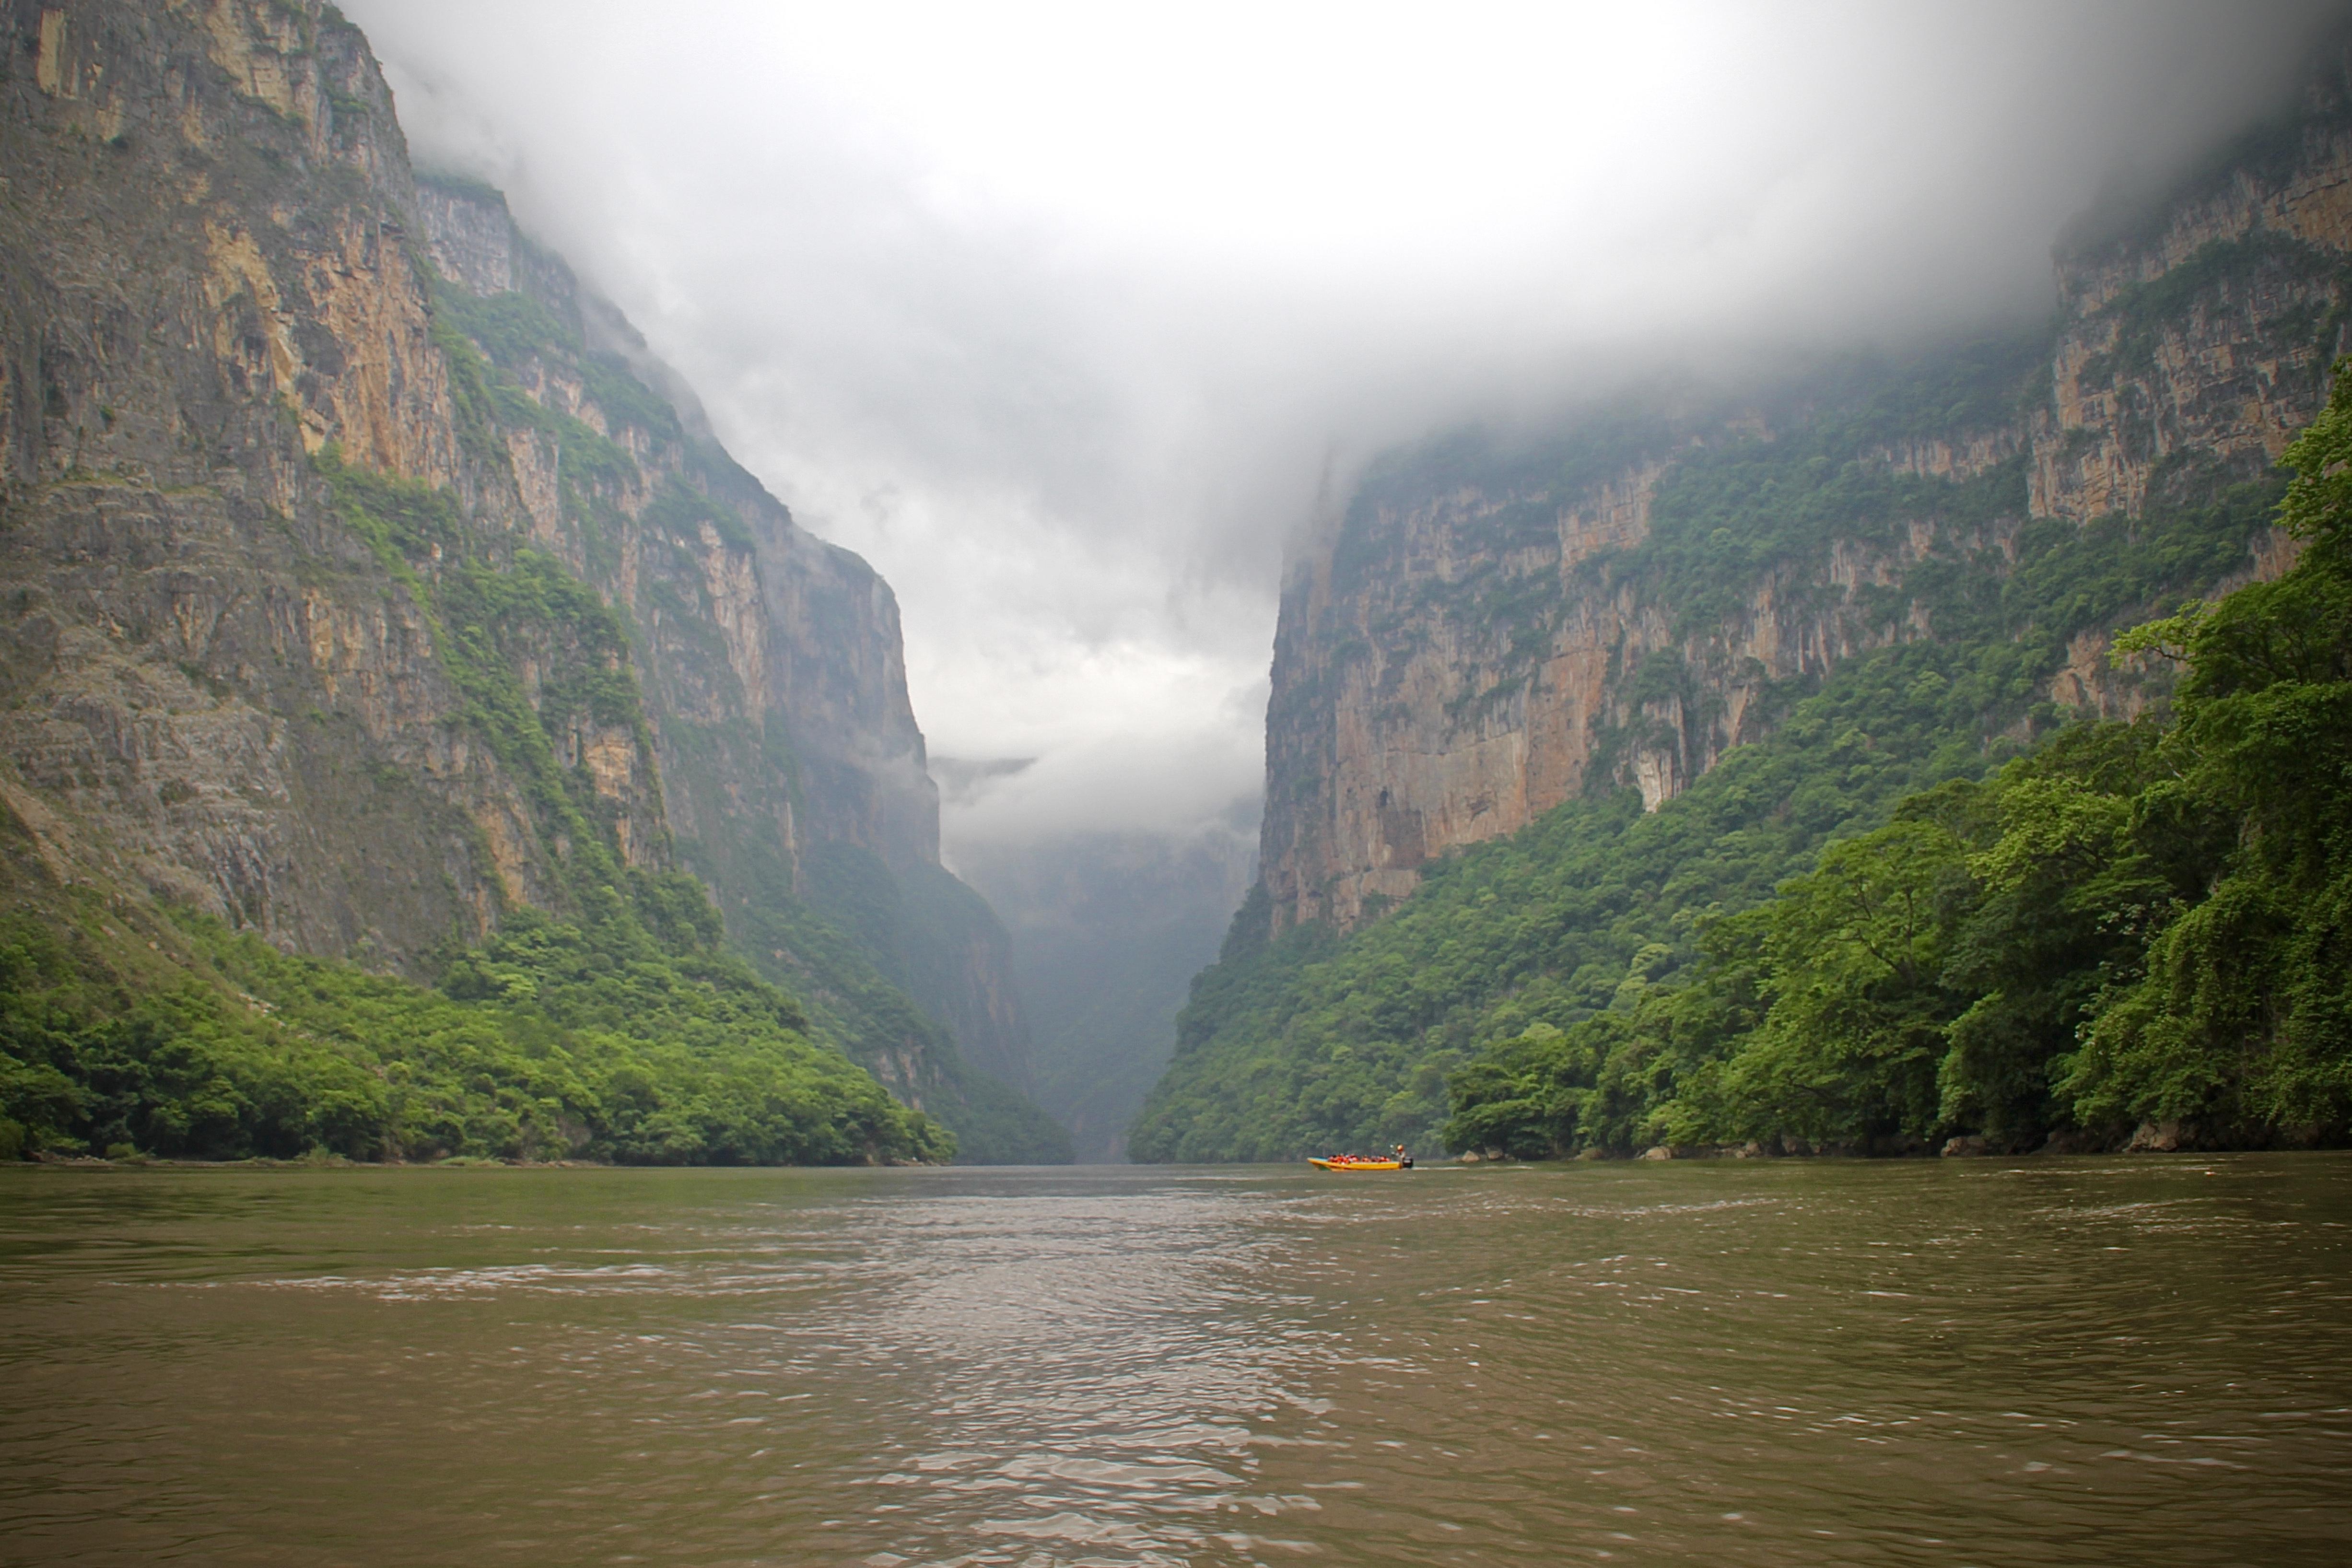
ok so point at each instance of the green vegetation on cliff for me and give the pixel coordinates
(2143, 924)
(589, 1039)
(615, 1024)
(851, 937)
(830, 949)
(1517, 956)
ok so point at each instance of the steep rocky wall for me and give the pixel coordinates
(205, 279)
(773, 659)
(812, 631)
(254, 377)
(1405, 723)
(837, 671)
(2177, 331)
(1469, 645)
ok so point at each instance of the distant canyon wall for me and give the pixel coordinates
(1107, 931)
(1461, 647)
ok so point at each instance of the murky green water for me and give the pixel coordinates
(2057, 1362)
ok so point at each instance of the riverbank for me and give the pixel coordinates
(2147, 1138)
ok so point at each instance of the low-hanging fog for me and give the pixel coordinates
(1061, 314)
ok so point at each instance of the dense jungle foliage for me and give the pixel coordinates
(1990, 919)
(589, 1038)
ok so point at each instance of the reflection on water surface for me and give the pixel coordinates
(2044, 1362)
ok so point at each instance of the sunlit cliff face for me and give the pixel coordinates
(1066, 316)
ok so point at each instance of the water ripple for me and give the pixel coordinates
(2070, 1362)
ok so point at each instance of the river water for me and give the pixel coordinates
(1983, 1361)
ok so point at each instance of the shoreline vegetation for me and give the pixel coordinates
(2135, 937)
(2149, 1140)
(50, 1159)
(629, 1034)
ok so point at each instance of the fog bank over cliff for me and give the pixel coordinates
(1063, 316)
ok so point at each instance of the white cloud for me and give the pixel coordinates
(1058, 312)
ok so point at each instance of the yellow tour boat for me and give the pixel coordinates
(1342, 1162)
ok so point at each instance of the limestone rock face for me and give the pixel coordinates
(208, 683)
(810, 652)
(2150, 363)
(1460, 649)
(1405, 722)
(228, 307)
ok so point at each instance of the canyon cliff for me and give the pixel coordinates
(1481, 634)
(1554, 715)
(368, 580)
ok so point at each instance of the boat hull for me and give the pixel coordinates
(1360, 1164)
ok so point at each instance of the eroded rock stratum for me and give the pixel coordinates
(360, 568)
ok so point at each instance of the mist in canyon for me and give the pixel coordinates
(1068, 320)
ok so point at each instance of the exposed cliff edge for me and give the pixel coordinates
(794, 773)
(1544, 715)
(1485, 633)
(368, 583)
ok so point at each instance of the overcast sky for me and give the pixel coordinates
(1060, 313)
